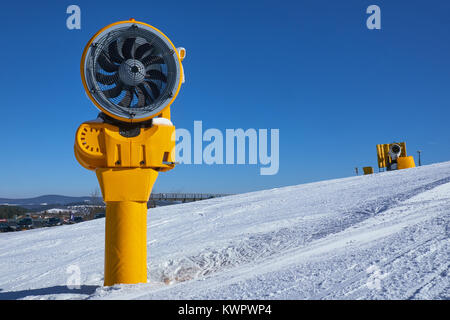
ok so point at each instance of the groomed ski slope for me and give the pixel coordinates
(383, 236)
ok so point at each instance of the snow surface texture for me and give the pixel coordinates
(382, 236)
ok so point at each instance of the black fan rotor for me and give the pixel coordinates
(131, 71)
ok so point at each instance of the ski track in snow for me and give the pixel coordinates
(383, 236)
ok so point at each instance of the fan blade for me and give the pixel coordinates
(144, 90)
(106, 64)
(141, 50)
(154, 88)
(113, 52)
(106, 79)
(126, 101)
(141, 97)
(148, 60)
(128, 47)
(113, 92)
(156, 75)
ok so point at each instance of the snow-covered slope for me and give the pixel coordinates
(383, 236)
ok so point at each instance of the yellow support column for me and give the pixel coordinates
(126, 192)
(125, 242)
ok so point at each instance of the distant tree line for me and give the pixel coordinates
(8, 212)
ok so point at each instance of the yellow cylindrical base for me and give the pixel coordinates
(405, 162)
(125, 242)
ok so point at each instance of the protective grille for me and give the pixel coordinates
(132, 71)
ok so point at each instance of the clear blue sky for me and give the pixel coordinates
(310, 68)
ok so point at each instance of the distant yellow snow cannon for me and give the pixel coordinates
(393, 156)
(132, 72)
(367, 170)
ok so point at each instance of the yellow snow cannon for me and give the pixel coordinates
(393, 156)
(132, 73)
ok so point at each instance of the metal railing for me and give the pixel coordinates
(184, 196)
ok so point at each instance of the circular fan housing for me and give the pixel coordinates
(131, 71)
